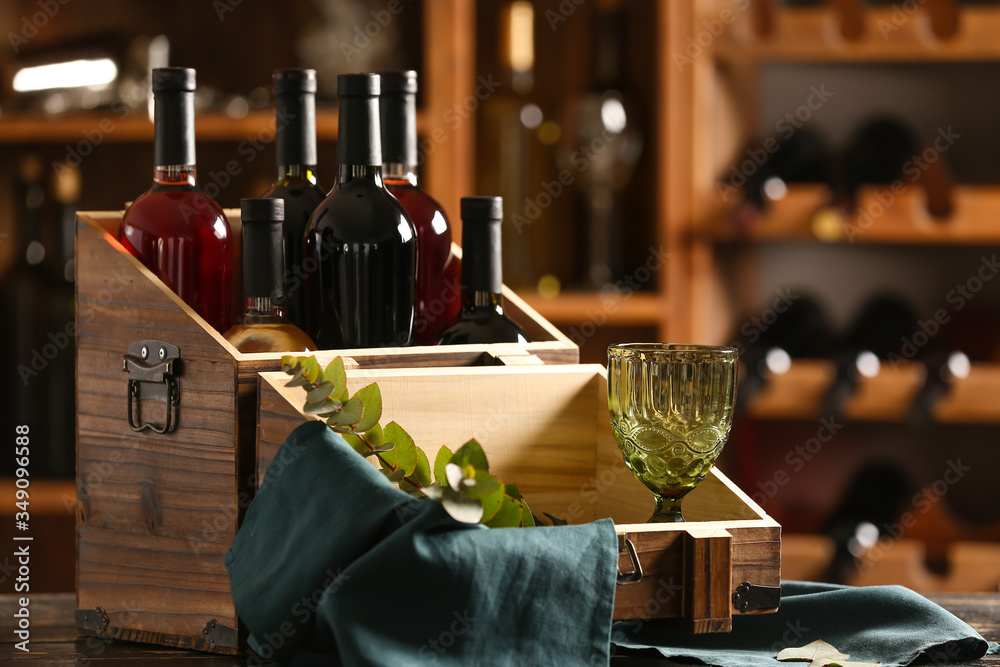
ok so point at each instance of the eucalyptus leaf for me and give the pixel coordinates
(509, 515)
(356, 443)
(311, 370)
(492, 503)
(422, 471)
(512, 491)
(556, 521)
(471, 453)
(410, 489)
(527, 518)
(335, 375)
(459, 507)
(297, 381)
(374, 436)
(350, 414)
(406, 451)
(396, 476)
(453, 476)
(320, 393)
(289, 363)
(440, 461)
(371, 398)
(324, 407)
(484, 484)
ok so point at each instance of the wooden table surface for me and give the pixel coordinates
(55, 641)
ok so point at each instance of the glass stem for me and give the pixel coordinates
(668, 510)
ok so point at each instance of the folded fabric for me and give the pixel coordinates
(891, 624)
(333, 563)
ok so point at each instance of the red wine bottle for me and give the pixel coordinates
(295, 136)
(263, 327)
(174, 228)
(482, 319)
(361, 238)
(438, 279)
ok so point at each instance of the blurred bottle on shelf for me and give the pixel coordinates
(297, 186)
(804, 157)
(38, 342)
(800, 331)
(871, 503)
(604, 115)
(952, 342)
(438, 292)
(877, 332)
(514, 163)
(882, 151)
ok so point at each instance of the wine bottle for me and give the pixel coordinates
(798, 332)
(364, 243)
(438, 280)
(297, 186)
(877, 332)
(263, 326)
(482, 319)
(174, 228)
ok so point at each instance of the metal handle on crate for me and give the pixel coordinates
(152, 374)
(635, 576)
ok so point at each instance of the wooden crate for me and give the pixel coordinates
(157, 512)
(547, 429)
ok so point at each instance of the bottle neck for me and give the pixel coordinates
(398, 113)
(295, 128)
(359, 141)
(175, 174)
(399, 172)
(365, 172)
(173, 136)
(261, 307)
(482, 276)
(297, 172)
(482, 300)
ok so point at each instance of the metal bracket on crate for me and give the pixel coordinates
(635, 576)
(218, 635)
(749, 597)
(152, 374)
(92, 620)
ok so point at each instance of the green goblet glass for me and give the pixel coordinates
(671, 411)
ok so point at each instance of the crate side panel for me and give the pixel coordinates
(156, 513)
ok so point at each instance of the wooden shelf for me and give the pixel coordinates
(214, 126)
(888, 35)
(798, 394)
(635, 308)
(904, 220)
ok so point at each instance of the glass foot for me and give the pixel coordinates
(667, 511)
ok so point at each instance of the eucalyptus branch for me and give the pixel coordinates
(462, 481)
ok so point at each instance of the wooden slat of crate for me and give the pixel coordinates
(144, 554)
(547, 429)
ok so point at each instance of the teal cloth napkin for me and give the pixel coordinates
(334, 565)
(887, 623)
